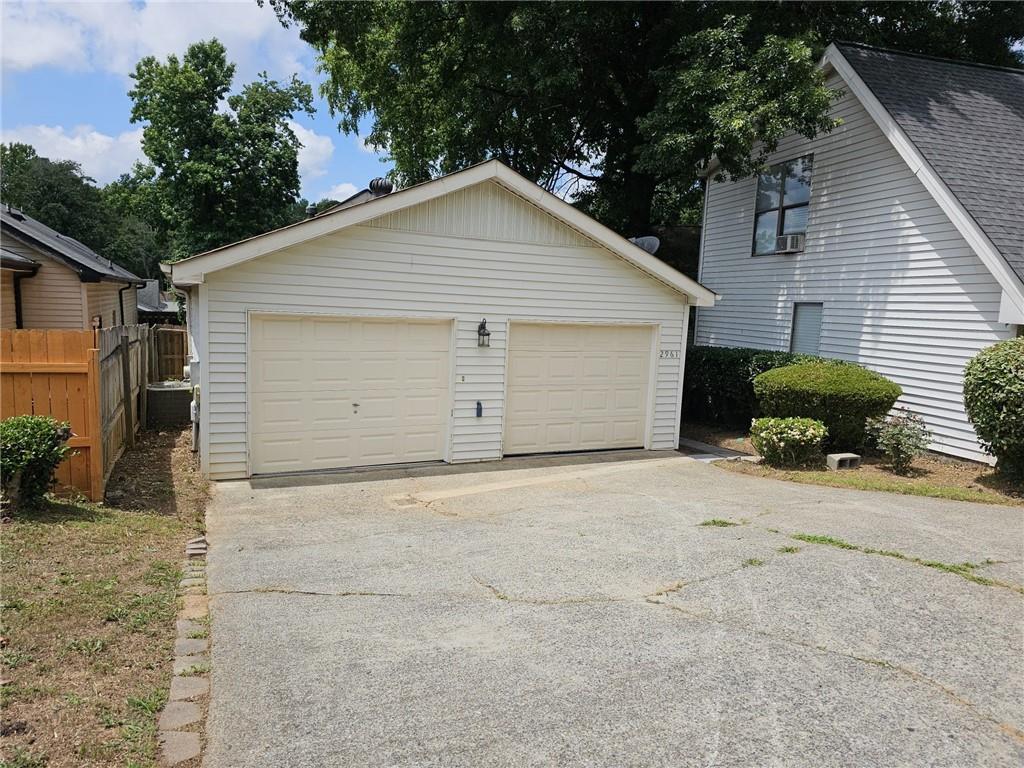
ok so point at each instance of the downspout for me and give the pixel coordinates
(19, 321)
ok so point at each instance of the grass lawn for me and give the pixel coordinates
(929, 476)
(89, 604)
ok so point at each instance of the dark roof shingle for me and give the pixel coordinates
(89, 264)
(967, 120)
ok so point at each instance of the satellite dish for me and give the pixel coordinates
(649, 243)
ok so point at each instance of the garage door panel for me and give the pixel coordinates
(310, 372)
(576, 387)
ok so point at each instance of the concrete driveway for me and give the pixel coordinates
(575, 613)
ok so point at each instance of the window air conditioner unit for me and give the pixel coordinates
(789, 244)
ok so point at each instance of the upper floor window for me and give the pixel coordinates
(783, 195)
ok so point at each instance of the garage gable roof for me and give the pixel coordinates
(192, 271)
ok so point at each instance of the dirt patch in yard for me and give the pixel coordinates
(89, 603)
(733, 439)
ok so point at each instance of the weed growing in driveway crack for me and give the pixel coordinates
(963, 570)
(716, 523)
(829, 540)
(752, 561)
(788, 550)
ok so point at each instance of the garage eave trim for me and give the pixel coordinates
(192, 271)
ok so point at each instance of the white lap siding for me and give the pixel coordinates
(903, 293)
(479, 253)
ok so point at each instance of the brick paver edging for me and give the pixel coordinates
(182, 721)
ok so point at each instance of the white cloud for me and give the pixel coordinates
(361, 143)
(114, 36)
(315, 153)
(103, 157)
(341, 192)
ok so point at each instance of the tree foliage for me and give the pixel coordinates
(619, 102)
(58, 194)
(222, 167)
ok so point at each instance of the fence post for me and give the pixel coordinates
(126, 387)
(144, 376)
(97, 460)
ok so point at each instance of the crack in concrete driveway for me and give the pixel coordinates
(519, 631)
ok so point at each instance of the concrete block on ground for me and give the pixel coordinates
(188, 646)
(181, 663)
(177, 747)
(188, 687)
(178, 714)
(837, 461)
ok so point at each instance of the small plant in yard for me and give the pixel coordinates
(994, 401)
(789, 442)
(902, 437)
(31, 447)
(717, 523)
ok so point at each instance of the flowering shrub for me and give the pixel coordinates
(788, 442)
(901, 437)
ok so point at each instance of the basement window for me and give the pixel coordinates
(781, 206)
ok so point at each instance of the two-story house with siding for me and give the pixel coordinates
(895, 241)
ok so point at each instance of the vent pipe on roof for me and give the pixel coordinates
(311, 210)
(380, 187)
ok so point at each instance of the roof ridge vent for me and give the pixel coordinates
(381, 186)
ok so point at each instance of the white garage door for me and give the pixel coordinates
(576, 387)
(344, 392)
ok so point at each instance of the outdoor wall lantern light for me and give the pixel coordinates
(483, 336)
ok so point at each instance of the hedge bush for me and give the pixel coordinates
(994, 400)
(791, 442)
(842, 397)
(718, 387)
(31, 447)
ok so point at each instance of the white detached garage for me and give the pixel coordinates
(356, 338)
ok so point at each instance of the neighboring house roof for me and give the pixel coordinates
(150, 299)
(90, 266)
(16, 262)
(191, 271)
(960, 128)
(968, 122)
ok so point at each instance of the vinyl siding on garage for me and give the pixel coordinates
(481, 252)
(903, 292)
(102, 299)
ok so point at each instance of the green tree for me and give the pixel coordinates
(61, 196)
(223, 167)
(618, 102)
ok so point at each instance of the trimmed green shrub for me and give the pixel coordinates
(994, 400)
(902, 437)
(718, 386)
(789, 442)
(842, 397)
(31, 447)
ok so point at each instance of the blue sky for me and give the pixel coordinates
(65, 81)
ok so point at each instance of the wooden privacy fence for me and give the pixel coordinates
(168, 350)
(96, 380)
